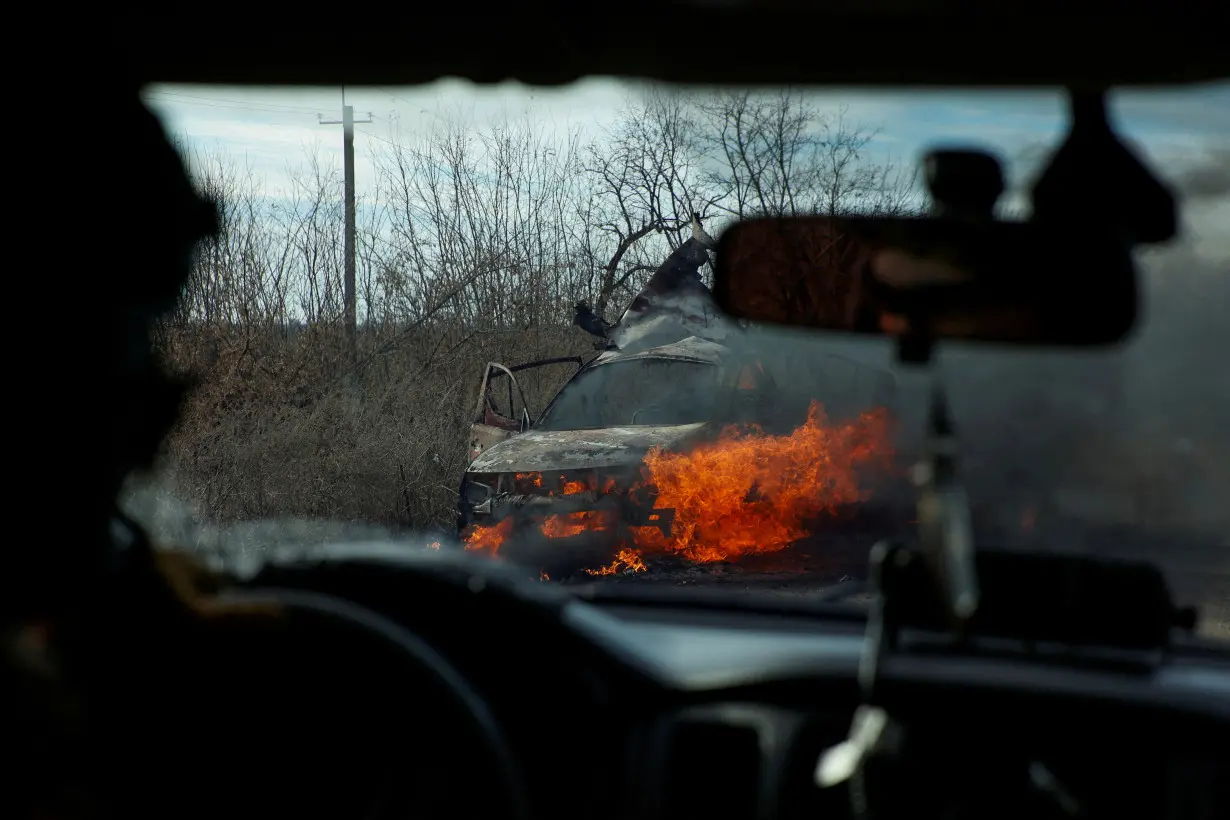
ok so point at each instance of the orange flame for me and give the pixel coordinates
(744, 493)
(567, 525)
(750, 493)
(489, 538)
(628, 560)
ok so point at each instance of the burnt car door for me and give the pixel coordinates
(502, 409)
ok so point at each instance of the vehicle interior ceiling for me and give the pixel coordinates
(331, 687)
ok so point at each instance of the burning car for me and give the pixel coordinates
(603, 474)
(578, 466)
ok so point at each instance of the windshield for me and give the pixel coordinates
(640, 391)
(505, 223)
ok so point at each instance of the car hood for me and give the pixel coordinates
(538, 450)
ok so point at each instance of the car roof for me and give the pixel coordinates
(692, 349)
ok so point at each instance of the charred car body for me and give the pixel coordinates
(583, 455)
(568, 486)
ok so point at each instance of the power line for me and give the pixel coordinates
(156, 98)
(370, 135)
(394, 96)
(419, 105)
(247, 103)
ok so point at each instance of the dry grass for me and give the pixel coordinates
(277, 428)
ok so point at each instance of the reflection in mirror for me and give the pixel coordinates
(971, 280)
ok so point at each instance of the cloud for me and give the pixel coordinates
(1172, 125)
(1175, 130)
(1203, 109)
(271, 129)
(1205, 175)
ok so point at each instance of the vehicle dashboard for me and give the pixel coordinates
(653, 708)
(756, 700)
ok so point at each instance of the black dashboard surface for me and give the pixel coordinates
(661, 709)
(691, 650)
(699, 651)
(768, 695)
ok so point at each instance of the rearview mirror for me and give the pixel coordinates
(934, 278)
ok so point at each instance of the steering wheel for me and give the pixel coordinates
(360, 718)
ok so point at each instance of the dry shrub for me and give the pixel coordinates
(280, 427)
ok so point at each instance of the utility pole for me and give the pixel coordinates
(348, 122)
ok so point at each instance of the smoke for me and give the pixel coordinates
(1125, 451)
(1132, 437)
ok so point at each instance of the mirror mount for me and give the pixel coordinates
(964, 184)
(945, 525)
(1093, 162)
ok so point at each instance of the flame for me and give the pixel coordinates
(749, 493)
(434, 545)
(566, 525)
(745, 493)
(489, 538)
(628, 560)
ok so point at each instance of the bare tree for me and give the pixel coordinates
(777, 155)
(647, 184)
(240, 276)
(480, 218)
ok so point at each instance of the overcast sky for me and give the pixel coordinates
(274, 129)
(271, 127)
